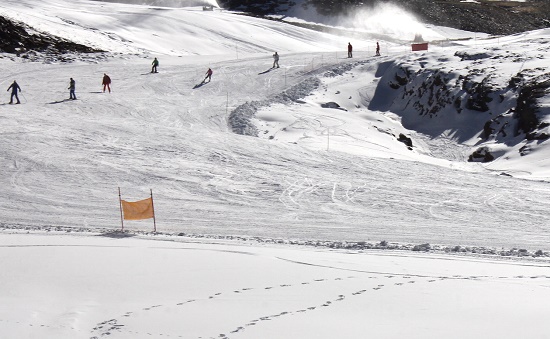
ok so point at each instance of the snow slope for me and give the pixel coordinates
(324, 174)
(126, 28)
(324, 177)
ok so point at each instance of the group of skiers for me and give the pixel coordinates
(106, 82)
(350, 50)
(14, 87)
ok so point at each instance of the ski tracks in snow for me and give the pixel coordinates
(306, 192)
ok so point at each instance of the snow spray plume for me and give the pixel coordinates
(385, 19)
(168, 3)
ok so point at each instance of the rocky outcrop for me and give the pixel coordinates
(473, 101)
(524, 118)
(482, 154)
(21, 40)
(406, 140)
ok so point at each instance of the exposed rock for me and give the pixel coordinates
(406, 140)
(479, 94)
(482, 154)
(330, 104)
(22, 40)
(422, 248)
(525, 150)
(472, 56)
(526, 110)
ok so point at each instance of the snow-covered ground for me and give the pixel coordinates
(108, 287)
(311, 174)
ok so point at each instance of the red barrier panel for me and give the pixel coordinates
(420, 46)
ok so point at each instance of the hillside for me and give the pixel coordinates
(391, 196)
(334, 140)
(488, 16)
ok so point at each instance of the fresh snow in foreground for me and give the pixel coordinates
(108, 287)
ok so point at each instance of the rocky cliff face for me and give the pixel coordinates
(477, 98)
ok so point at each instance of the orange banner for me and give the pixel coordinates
(138, 210)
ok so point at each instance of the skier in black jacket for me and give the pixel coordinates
(72, 87)
(14, 88)
(155, 65)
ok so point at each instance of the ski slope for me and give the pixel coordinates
(314, 173)
(228, 205)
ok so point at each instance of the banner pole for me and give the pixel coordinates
(154, 218)
(120, 204)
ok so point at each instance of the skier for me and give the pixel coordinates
(350, 49)
(377, 49)
(208, 75)
(14, 88)
(106, 82)
(72, 86)
(155, 65)
(275, 60)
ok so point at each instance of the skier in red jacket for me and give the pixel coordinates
(208, 75)
(106, 82)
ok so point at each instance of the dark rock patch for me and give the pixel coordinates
(330, 104)
(406, 140)
(23, 41)
(482, 154)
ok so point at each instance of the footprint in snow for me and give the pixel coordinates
(186, 302)
(240, 328)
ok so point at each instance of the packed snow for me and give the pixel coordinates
(271, 184)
